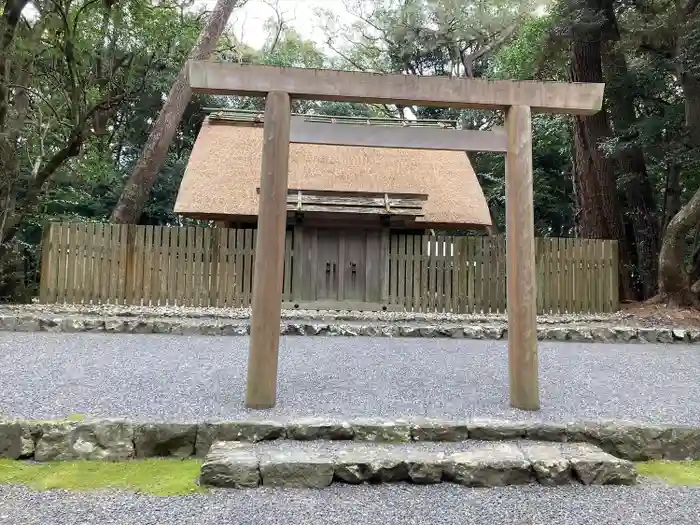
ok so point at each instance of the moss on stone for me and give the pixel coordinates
(157, 477)
(672, 472)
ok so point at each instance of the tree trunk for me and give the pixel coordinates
(599, 212)
(138, 187)
(638, 190)
(674, 279)
(672, 194)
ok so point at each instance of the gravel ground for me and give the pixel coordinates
(383, 504)
(160, 377)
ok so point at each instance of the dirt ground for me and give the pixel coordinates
(659, 315)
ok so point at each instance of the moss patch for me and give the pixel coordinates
(673, 472)
(158, 477)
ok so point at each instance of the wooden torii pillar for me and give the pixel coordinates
(517, 99)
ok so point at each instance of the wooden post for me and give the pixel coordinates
(269, 255)
(520, 251)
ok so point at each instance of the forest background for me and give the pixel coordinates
(97, 123)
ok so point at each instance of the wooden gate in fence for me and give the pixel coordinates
(95, 263)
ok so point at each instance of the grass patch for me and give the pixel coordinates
(157, 477)
(673, 472)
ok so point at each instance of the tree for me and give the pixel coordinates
(63, 107)
(56, 92)
(427, 37)
(679, 283)
(139, 185)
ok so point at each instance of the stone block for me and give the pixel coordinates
(497, 465)
(603, 334)
(381, 430)
(679, 443)
(625, 334)
(230, 464)
(319, 428)
(15, 440)
(295, 468)
(632, 441)
(251, 431)
(592, 466)
(354, 465)
(473, 332)
(438, 430)
(27, 323)
(101, 439)
(550, 466)
(494, 429)
(164, 439)
(425, 467)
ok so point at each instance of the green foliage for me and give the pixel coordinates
(93, 77)
(75, 56)
(526, 56)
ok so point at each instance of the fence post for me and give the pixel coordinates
(615, 288)
(215, 254)
(45, 271)
(130, 270)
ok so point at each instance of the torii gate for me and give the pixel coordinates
(280, 85)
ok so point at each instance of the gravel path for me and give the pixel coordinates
(194, 378)
(384, 504)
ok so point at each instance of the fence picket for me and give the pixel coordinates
(287, 283)
(149, 263)
(408, 277)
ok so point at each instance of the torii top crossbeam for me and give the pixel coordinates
(350, 86)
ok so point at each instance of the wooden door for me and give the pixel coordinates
(328, 265)
(354, 264)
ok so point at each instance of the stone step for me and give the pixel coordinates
(473, 463)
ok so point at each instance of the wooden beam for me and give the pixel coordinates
(269, 255)
(520, 255)
(374, 136)
(350, 86)
(356, 210)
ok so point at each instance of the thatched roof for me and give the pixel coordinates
(223, 175)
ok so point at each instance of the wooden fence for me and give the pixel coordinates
(153, 265)
(468, 274)
(149, 265)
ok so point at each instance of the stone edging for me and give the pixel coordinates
(119, 439)
(213, 326)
